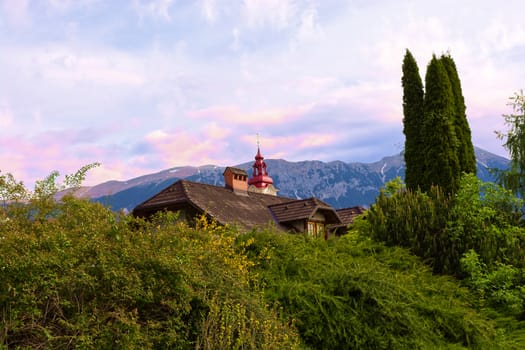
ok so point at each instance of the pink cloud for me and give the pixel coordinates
(33, 158)
(174, 148)
(215, 131)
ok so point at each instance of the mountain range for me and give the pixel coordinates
(337, 183)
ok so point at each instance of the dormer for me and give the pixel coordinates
(236, 179)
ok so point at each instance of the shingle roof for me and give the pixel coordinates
(303, 209)
(348, 215)
(221, 203)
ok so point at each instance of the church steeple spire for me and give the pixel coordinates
(260, 180)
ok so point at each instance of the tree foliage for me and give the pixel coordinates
(439, 135)
(412, 120)
(438, 145)
(465, 150)
(514, 138)
(48, 187)
(11, 190)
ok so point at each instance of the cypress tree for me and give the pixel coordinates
(438, 132)
(412, 121)
(465, 151)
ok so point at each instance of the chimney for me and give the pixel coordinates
(236, 180)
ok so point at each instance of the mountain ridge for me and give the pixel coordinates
(338, 183)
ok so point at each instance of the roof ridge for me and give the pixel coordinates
(320, 201)
(183, 184)
(287, 202)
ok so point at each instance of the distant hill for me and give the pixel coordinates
(338, 183)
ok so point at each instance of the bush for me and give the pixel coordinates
(352, 293)
(439, 229)
(417, 221)
(76, 275)
(501, 287)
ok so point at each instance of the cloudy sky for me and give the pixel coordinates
(141, 86)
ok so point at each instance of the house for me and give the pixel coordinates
(249, 203)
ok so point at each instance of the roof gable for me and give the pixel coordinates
(303, 210)
(174, 193)
(348, 215)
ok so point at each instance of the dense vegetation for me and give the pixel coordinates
(354, 293)
(84, 277)
(477, 235)
(77, 275)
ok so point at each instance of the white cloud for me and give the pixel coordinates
(63, 6)
(209, 10)
(236, 39)
(501, 35)
(69, 66)
(156, 135)
(154, 8)
(309, 26)
(274, 13)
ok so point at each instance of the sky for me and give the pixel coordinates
(142, 86)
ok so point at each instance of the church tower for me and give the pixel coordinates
(260, 181)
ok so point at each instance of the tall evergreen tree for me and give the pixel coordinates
(438, 131)
(465, 151)
(412, 121)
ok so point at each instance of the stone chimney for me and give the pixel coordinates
(236, 180)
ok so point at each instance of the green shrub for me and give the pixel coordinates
(501, 287)
(414, 220)
(76, 275)
(439, 229)
(352, 293)
(487, 219)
